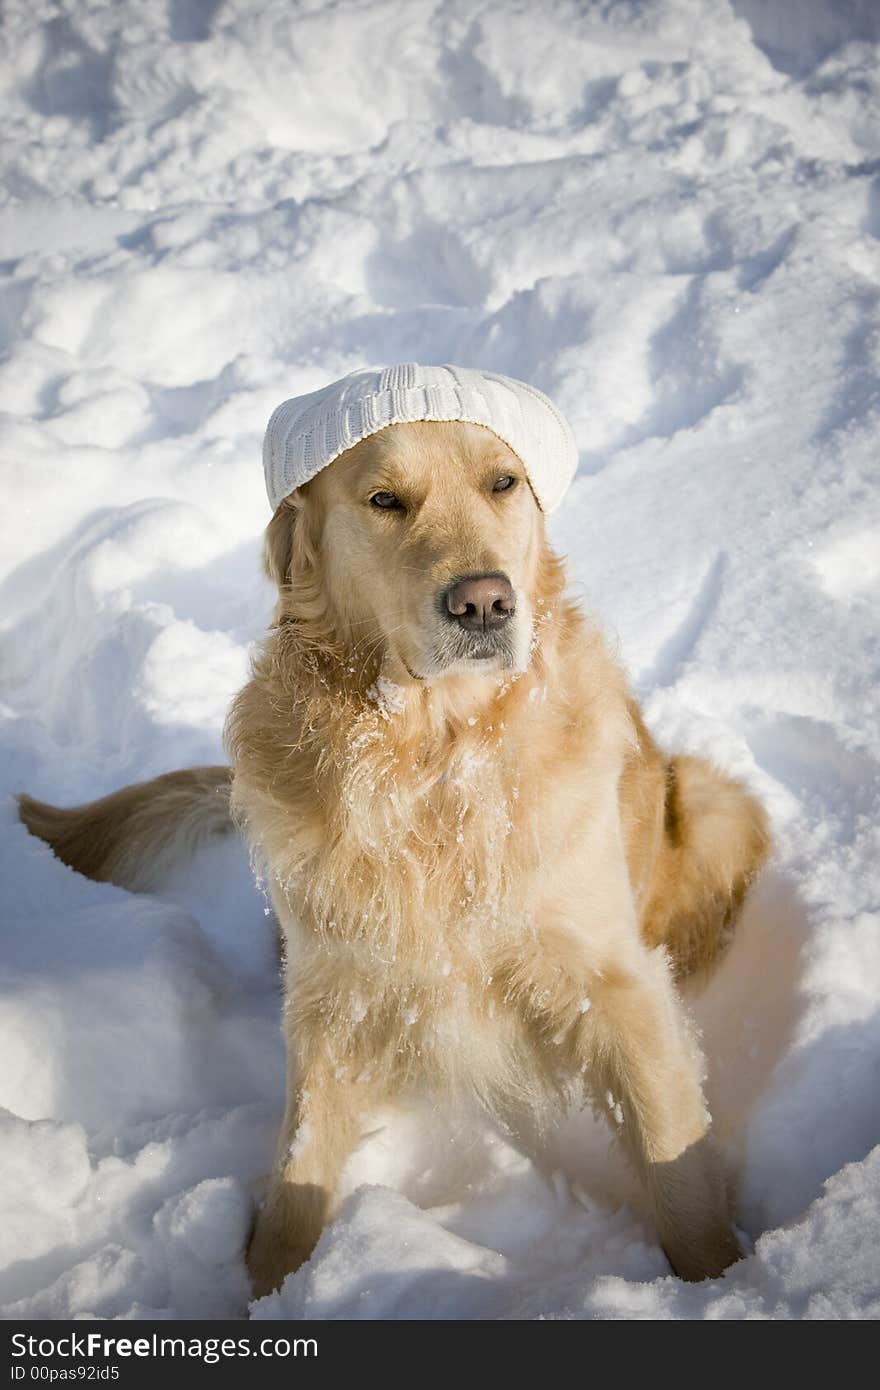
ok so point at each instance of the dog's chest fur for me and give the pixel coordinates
(418, 853)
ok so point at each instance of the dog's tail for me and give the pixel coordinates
(716, 839)
(134, 836)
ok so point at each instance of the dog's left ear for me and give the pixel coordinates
(278, 543)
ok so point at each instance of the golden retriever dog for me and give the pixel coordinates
(488, 878)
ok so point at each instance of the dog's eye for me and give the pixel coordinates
(386, 501)
(504, 484)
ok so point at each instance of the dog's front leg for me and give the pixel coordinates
(645, 1071)
(605, 1006)
(322, 1123)
(619, 1025)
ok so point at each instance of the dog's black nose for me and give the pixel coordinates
(480, 601)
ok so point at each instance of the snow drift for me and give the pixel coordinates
(665, 214)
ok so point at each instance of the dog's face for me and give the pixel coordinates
(427, 537)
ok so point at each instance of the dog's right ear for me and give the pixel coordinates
(278, 543)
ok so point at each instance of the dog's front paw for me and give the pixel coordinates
(707, 1259)
(272, 1256)
(285, 1234)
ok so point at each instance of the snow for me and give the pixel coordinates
(388, 696)
(664, 213)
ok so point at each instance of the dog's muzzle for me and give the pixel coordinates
(476, 612)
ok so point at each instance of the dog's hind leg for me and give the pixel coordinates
(715, 841)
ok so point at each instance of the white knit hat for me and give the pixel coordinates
(308, 432)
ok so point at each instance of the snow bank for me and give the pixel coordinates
(664, 213)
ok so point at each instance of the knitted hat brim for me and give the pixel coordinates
(308, 433)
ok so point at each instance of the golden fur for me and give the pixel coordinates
(131, 836)
(487, 876)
